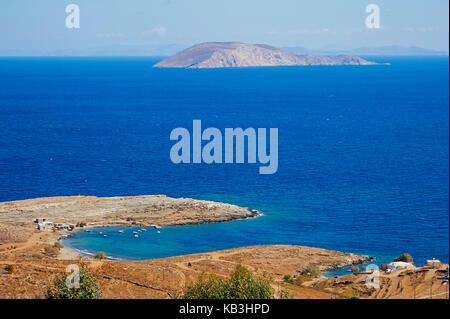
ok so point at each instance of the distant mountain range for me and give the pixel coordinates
(375, 51)
(111, 50)
(171, 49)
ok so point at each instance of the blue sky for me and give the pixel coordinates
(318, 24)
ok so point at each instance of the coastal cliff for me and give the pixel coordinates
(236, 54)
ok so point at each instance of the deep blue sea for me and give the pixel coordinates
(363, 151)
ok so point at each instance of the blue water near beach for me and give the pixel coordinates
(363, 151)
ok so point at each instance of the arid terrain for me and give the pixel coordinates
(36, 262)
(106, 211)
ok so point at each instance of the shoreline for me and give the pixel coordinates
(86, 253)
(37, 260)
(79, 252)
(137, 278)
(76, 253)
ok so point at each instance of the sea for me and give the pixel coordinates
(363, 150)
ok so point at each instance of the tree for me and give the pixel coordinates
(351, 294)
(288, 279)
(9, 269)
(58, 245)
(312, 271)
(404, 257)
(88, 287)
(100, 255)
(355, 268)
(242, 285)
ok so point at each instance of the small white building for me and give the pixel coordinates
(45, 226)
(433, 262)
(396, 265)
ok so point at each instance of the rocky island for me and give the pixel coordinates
(236, 54)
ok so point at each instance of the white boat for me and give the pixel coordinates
(120, 231)
(105, 235)
(136, 236)
(158, 232)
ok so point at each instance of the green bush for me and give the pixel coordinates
(301, 279)
(355, 268)
(9, 269)
(58, 245)
(351, 294)
(285, 294)
(288, 279)
(242, 285)
(312, 271)
(100, 255)
(404, 257)
(88, 289)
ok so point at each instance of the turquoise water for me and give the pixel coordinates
(363, 151)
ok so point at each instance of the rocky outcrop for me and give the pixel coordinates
(236, 54)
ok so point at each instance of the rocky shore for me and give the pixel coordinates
(114, 211)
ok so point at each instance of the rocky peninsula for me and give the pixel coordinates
(143, 210)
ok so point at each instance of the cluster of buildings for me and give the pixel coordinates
(44, 224)
(388, 267)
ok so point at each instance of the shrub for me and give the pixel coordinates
(404, 257)
(285, 294)
(301, 279)
(100, 255)
(307, 274)
(88, 287)
(364, 268)
(9, 269)
(288, 279)
(312, 271)
(58, 245)
(351, 294)
(242, 285)
(321, 285)
(355, 268)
